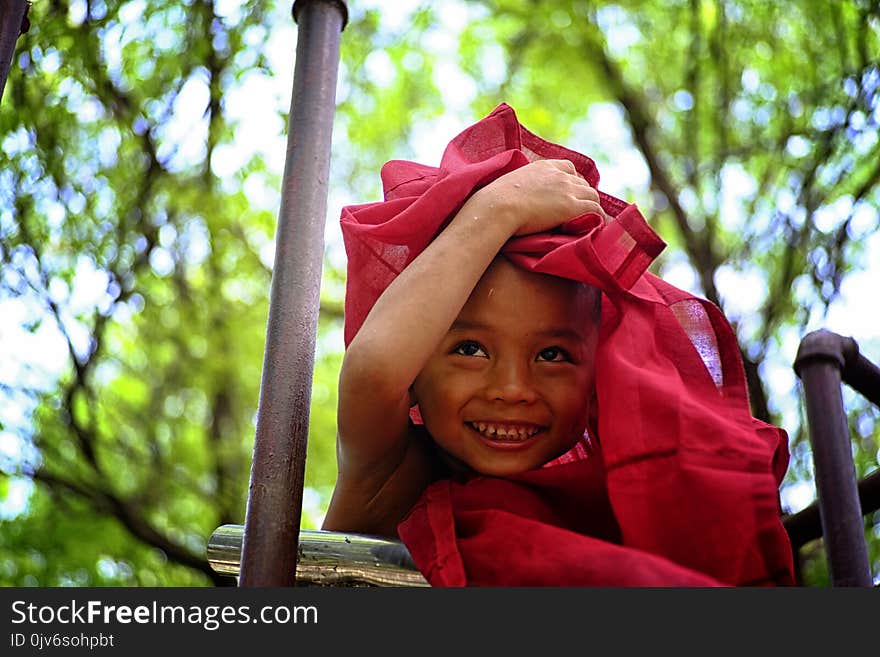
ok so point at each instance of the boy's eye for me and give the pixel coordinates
(470, 348)
(553, 354)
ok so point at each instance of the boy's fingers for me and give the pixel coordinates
(567, 166)
(571, 168)
(594, 206)
(585, 190)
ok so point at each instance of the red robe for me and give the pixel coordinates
(682, 486)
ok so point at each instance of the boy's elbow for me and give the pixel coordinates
(366, 369)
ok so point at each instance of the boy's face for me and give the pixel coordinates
(509, 386)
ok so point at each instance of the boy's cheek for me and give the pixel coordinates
(581, 407)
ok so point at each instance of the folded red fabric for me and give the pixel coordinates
(679, 485)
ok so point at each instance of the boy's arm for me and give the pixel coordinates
(377, 460)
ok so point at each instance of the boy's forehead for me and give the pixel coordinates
(503, 273)
(542, 328)
(543, 303)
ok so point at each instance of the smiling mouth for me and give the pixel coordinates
(512, 433)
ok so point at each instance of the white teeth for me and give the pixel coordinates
(506, 432)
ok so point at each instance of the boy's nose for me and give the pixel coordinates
(511, 383)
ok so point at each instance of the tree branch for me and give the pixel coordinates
(132, 521)
(699, 251)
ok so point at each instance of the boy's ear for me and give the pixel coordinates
(593, 418)
(415, 413)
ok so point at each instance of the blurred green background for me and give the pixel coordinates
(142, 149)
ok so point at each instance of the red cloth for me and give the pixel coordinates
(682, 489)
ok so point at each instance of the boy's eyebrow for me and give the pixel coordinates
(465, 325)
(565, 333)
(560, 332)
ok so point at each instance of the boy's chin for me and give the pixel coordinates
(456, 465)
(459, 468)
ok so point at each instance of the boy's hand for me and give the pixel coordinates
(541, 195)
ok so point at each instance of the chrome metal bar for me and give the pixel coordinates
(274, 505)
(328, 559)
(818, 363)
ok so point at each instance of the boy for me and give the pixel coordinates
(468, 422)
(426, 339)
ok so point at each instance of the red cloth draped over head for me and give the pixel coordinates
(682, 487)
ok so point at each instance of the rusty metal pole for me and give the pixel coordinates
(274, 506)
(13, 22)
(819, 361)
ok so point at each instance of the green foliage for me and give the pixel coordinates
(136, 224)
(48, 547)
(147, 433)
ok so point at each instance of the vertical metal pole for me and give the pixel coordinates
(274, 506)
(13, 22)
(819, 361)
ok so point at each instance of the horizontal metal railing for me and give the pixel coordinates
(327, 558)
(806, 525)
